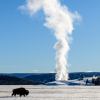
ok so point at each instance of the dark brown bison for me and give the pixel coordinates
(20, 91)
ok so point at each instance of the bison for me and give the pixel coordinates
(20, 91)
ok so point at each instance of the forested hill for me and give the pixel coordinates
(39, 78)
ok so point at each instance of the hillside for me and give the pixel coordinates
(39, 78)
(11, 80)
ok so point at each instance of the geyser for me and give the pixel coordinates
(59, 19)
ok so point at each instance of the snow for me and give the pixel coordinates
(59, 92)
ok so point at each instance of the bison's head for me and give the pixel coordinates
(27, 92)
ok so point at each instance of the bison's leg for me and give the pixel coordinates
(20, 95)
(24, 95)
(13, 94)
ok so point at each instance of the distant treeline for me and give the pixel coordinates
(12, 80)
(39, 78)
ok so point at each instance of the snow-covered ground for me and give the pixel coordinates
(59, 92)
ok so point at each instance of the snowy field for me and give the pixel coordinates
(52, 92)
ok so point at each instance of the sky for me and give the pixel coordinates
(26, 46)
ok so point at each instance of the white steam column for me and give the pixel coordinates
(59, 19)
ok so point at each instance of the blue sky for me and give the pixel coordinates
(27, 46)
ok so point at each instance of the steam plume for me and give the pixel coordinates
(60, 20)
